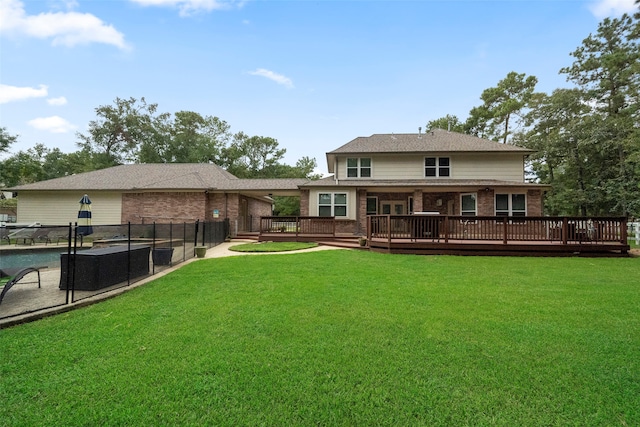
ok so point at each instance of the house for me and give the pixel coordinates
(161, 193)
(436, 172)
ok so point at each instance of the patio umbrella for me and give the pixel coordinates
(84, 217)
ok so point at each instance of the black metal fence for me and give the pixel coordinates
(44, 267)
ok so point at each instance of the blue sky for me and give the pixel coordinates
(311, 74)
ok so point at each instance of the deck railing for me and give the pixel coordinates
(298, 225)
(507, 229)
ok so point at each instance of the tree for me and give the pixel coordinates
(448, 122)
(559, 159)
(41, 163)
(123, 131)
(502, 104)
(196, 139)
(6, 139)
(254, 157)
(24, 167)
(607, 70)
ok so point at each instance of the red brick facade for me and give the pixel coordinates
(304, 202)
(163, 207)
(145, 208)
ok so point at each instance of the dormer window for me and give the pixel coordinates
(359, 168)
(437, 167)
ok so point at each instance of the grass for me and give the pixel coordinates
(341, 338)
(272, 246)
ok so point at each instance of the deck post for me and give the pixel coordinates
(504, 227)
(446, 229)
(389, 231)
(623, 231)
(565, 230)
(368, 229)
(298, 223)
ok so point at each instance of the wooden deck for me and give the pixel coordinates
(462, 235)
(474, 247)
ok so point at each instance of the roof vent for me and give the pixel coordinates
(419, 131)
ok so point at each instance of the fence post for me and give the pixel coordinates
(153, 248)
(68, 263)
(128, 253)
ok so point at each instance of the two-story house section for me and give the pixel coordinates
(437, 172)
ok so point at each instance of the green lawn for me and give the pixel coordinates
(341, 338)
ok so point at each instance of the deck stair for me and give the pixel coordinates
(247, 235)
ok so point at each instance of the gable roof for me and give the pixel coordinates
(435, 141)
(160, 176)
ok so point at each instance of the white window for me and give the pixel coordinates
(437, 167)
(511, 205)
(359, 168)
(332, 204)
(468, 205)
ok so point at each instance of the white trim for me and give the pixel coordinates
(437, 166)
(475, 196)
(510, 203)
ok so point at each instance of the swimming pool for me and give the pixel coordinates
(40, 257)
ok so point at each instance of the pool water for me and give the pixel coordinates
(31, 258)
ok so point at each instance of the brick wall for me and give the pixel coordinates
(361, 213)
(257, 209)
(304, 202)
(163, 208)
(486, 202)
(418, 200)
(346, 226)
(430, 202)
(534, 203)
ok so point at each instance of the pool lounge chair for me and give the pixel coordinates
(4, 234)
(15, 275)
(40, 235)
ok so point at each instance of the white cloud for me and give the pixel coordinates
(57, 101)
(189, 7)
(610, 8)
(53, 124)
(63, 28)
(278, 78)
(15, 93)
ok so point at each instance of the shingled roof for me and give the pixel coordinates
(160, 176)
(435, 141)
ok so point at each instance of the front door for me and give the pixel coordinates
(394, 207)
